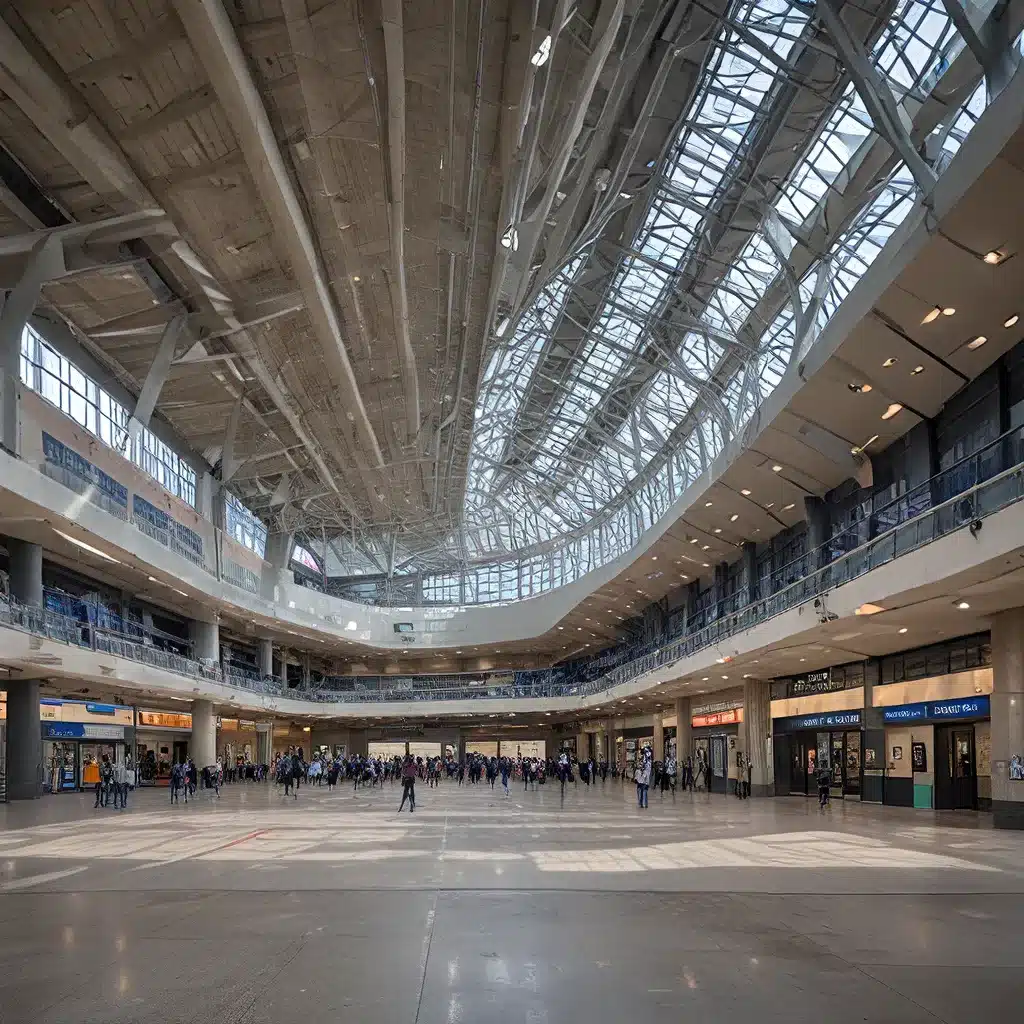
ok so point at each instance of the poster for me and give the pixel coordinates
(919, 757)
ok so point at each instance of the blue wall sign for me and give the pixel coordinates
(830, 720)
(938, 710)
(60, 455)
(64, 730)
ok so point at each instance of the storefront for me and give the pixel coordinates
(75, 734)
(714, 730)
(937, 754)
(804, 744)
(161, 740)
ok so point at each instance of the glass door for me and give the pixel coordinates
(965, 783)
(851, 780)
(837, 764)
(798, 779)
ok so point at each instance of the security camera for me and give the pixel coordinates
(975, 527)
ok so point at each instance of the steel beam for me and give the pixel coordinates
(212, 36)
(156, 376)
(876, 95)
(394, 52)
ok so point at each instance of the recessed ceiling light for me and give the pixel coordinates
(962, 605)
(705, 547)
(861, 447)
(704, 679)
(707, 565)
(561, 627)
(745, 492)
(993, 257)
(891, 361)
(859, 389)
(933, 314)
(916, 370)
(693, 540)
(718, 529)
(903, 629)
(786, 508)
(977, 342)
(654, 558)
(734, 517)
(769, 504)
(707, 504)
(1011, 320)
(893, 409)
(948, 310)
(776, 468)
(868, 609)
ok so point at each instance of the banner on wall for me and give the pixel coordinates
(59, 454)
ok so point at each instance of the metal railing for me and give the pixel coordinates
(971, 505)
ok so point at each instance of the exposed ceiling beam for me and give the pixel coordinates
(65, 120)
(394, 52)
(213, 37)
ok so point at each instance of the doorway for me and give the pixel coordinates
(180, 752)
(956, 769)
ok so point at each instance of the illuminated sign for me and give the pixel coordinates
(732, 716)
(165, 720)
(967, 707)
(831, 720)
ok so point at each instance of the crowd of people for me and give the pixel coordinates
(290, 769)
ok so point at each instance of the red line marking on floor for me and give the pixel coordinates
(236, 842)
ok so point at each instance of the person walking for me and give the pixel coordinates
(408, 784)
(642, 778)
(505, 769)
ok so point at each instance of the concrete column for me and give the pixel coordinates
(45, 263)
(460, 747)
(358, 743)
(659, 738)
(692, 597)
(756, 733)
(718, 595)
(750, 571)
(1007, 717)
(609, 740)
(816, 514)
(582, 744)
(306, 671)
(203, 744)
(282, 671)
(683, 740)
(266, 657)
(24, 740)
(205, 637)
(26, 571)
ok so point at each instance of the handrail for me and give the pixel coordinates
(974, 503)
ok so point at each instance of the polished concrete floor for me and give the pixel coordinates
(477, 908)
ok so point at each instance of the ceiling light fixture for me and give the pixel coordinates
(977, 342)
(776, 468)
(859, 389)
(993, 257)
(916, 370)
(502, 327)
(540, 58)
(891, 361)
(948, 310)
(903, 629)
(718, 529)
(734, 517)
(860, 448)
(962, 605)
(786, 508)
(893, 409)
(932, 315)
(707, 504)
(1011, 320)
(745, 492)
(868, 609)
(86, 547)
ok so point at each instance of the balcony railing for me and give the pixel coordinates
(974, 502)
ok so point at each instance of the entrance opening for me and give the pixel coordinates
(956, 769)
